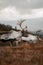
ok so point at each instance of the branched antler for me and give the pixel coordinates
(20, 23)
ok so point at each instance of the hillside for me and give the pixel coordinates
(23, 54)
(4, 27)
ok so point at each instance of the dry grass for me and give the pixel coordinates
(24, 54)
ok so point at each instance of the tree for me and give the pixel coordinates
(4, 27)
(15, 27)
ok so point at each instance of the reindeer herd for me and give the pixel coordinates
(19, 36)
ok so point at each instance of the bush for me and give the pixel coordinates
(4, 27)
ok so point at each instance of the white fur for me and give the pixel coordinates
(30, 38)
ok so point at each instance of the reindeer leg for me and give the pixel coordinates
(11, 44)
(16, 43)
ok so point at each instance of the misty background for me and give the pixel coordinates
(13, 10)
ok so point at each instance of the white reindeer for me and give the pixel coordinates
(16, 35)
(11, 37)
(31, 38)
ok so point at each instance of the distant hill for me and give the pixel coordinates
(4, 27)
(39, 33)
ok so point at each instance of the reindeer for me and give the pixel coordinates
(16, 36)
(13, 36)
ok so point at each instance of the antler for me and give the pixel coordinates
(20, 23)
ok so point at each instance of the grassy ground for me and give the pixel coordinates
(23, 54)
